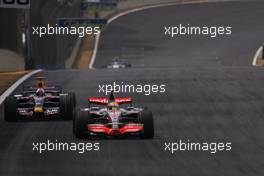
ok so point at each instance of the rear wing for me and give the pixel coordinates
(41, 84)
(105, 101)
(123, 100)
(55, 88)
(40, 78)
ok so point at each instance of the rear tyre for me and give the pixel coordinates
(80, 122)
(66, 107)
(10, 109)
(147, 120)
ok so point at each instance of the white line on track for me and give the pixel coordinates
(95, 50)
(16, 84)
(258, 53)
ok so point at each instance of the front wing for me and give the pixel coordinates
(127, 129)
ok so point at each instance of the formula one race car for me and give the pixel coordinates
(40, 102)
(117, 64)
(112, 120)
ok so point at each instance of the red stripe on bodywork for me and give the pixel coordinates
(115, 132)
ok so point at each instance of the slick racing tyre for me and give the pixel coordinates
(66, 107)
(10, 109)
(146, 119)
(72, 98)
(80, 121)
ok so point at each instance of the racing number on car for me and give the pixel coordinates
(15, 2)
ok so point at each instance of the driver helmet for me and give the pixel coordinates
(113, 106)
(40, 92)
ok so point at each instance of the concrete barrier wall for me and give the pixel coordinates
(51, 51)
(9, 33)
(45, 52)
(11, 49)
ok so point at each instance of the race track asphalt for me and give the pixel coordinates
(213, 94)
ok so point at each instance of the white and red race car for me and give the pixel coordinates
(111, 117)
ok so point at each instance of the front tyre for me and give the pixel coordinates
(66, 107)
(146, 119)
(72, 98)
(10, 109)
(80, 121)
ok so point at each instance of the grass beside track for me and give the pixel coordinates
(8, 78)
